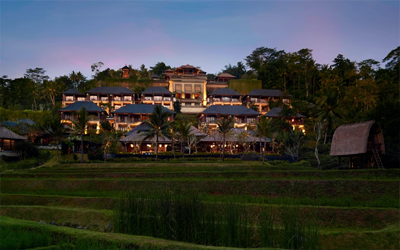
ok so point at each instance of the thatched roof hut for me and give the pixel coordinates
(363, 142)
(357, 138)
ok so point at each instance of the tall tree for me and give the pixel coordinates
(329, 111)
(159, 68)
(182, 131)
(237, 70)
(224, 125)
(79, 122)
(37, 76)
(158, 126)
(96, 67)
(263, 130)
(52, 126)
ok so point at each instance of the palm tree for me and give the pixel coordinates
(79, 78)
(74, 78)
(158, 125)
(329, 111)
(263, 129)
(79, 125)
(182, 130)
(53, 126)
(224, 126)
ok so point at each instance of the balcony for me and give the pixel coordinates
(148, 98)
(128, 120)
(69, 98)
(93, 118)
(157, 98)
(167, 99)
(93, 98)
(104, 98)
(127, 98)
(117, 98)
(81, 99)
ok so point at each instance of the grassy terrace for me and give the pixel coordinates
(355, 209)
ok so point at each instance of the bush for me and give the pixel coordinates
(95, 154)
(75, 157)
(26, 149)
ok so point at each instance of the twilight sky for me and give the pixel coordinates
(61, 36)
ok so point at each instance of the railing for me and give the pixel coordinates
(93, 118)
(129, 120)
(157, 98)
(216, 99)
(210, 119)
(226, 99)
(81, 99)
(235, 100)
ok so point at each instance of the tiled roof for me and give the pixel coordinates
(155, 76)
(77, 106)
(187, 66)
(227, 75)
(72, 92)
(275, 112)
(266, 92)
(157, 90)
(125, 67)
(9, 124)
(230, 110)
(5, 133)
(225, 91)
(139, 109)
(27, 121)
(110, 90)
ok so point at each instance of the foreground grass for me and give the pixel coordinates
(387, 238)
(125, 241)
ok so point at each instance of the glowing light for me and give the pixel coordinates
(131, 145)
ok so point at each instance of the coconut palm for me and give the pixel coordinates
(225, 124)
(79, 125)
(182, 131)
(158, 125)
(328, 111)
(263, 129)
(74, 78)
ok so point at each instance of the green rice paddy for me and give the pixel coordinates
(264, 206)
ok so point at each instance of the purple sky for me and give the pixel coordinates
(61, 36)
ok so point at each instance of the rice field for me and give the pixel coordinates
(200, 205)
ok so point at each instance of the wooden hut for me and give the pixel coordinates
(362, 142)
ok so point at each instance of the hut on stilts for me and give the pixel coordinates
(362, 142)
